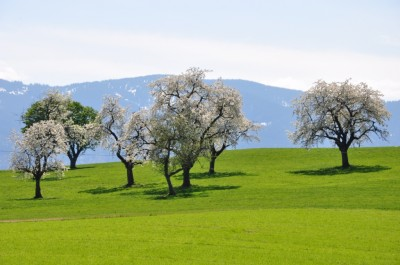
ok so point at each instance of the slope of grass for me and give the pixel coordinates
(277, 206)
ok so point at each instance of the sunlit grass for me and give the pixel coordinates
(263, 206)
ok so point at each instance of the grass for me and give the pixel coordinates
(264, 206)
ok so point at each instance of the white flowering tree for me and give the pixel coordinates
(122, 134)
(163, 138)
(232, 126)
(80, 138)
(81, 130)
(53, 106)
(77, 120)
(36, 151)
(341, 112)
(230, 132)
(187, 111)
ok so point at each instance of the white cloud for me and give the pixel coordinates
(8, 73)
(66, 56)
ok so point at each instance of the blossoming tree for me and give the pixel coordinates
(36, 151)
(122, 134)
(232, 126)
(77, 120)
(81, 131)
(230, 132)
(341, 112)
(186, 112)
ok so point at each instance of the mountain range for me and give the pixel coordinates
(263, 104)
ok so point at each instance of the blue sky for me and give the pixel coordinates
(283, 43)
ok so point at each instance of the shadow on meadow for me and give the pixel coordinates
(194, 190)
(206, 175)
(50, 178)
(35, 199)
(332, 171)
(57, 178)
(103, 190)
(82, 167)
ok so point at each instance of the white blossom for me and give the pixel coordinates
(188, 115)
(122, 134)
(36, 151)
(341, 112)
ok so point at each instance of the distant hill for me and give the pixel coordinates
(261, 103)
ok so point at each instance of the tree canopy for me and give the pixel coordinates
(36, 151)
(341, 112)
(76, 119)
(122, 133)
(188, 116)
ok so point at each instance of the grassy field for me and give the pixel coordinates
(264, 206)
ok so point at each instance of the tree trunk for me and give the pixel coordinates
(38, 193)
(72, 164)
(214, 155)
(345, 158)
(73, 155)
(129, 175)
(186, 178)
(211, 171)
(171, 191)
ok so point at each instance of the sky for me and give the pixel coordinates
(282, 43)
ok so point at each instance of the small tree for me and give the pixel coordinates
(162, 139)
(341, 112)
(230, 131)
(122, 135)
(36, 151)
(232, 126)
(79, 139)
(81, 130)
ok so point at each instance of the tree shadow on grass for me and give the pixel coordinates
(103, 190)
(51, 178)
(194, 190)
(56, 178)
(206, 175)
(81, 167)
(332, 171)
(35, 199)
(75, 177)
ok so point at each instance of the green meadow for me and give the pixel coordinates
(263, 206)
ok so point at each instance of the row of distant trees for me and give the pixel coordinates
(189, 119)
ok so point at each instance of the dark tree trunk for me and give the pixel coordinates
(73, 156)
(214, 155)
(129, 169)
(129, 175)
(72, 164)
(38, 193)
(186, 178)
(211, 171)
(345, 159)
(171, 191)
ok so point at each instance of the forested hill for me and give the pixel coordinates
(263, 104)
